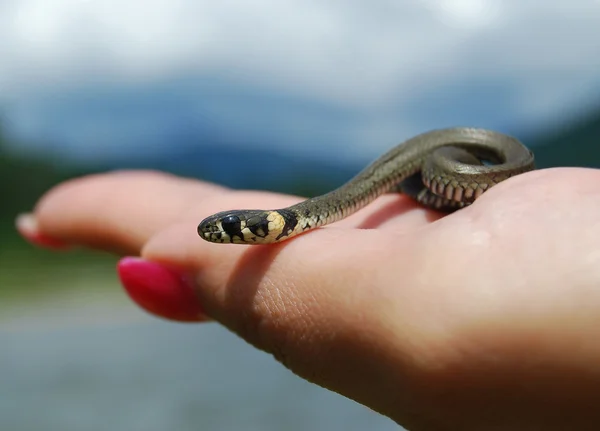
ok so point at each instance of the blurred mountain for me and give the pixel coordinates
(251, 168)
(217, 160)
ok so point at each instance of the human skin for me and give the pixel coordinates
(484, 319)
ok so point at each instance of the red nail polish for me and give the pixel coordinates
(28, 228)
(160, 290)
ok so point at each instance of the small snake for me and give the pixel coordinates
(443, 169)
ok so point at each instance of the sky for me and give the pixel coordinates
(95, 79)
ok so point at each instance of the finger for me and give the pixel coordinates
(117, 211)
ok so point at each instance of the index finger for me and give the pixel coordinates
(120, 211)
(117, 211)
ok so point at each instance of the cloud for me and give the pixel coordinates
(373, 61)
(341, 51)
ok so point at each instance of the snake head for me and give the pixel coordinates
(242, 227)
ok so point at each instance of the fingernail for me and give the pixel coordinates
(27, 226)
(160, 290)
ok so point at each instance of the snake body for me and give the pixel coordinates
(442, 169)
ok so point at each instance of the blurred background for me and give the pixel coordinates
(285, 95)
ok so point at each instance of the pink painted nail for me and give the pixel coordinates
(27, 226)
(160, 290)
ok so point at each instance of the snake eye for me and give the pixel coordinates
(231, 224)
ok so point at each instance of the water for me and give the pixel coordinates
(110, 367)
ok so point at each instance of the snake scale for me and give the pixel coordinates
(443, 169)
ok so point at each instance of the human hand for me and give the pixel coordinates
(488, 318)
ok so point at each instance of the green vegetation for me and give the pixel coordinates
(576, 144)
(26, 270)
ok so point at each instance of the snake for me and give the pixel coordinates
(442, 169)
